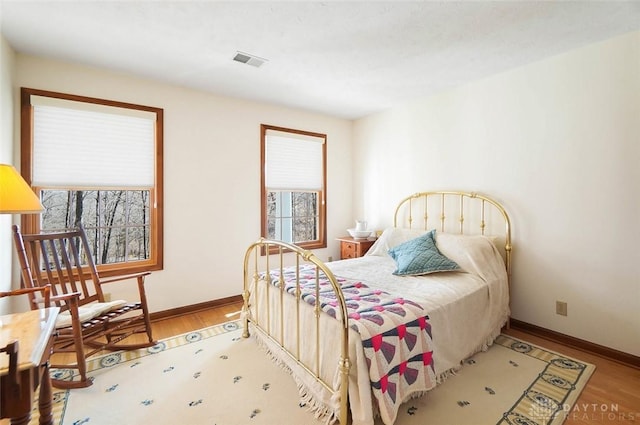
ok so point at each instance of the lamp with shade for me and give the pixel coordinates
(16, 196)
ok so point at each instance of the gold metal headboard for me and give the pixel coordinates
(471, 214)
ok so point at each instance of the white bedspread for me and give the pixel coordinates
(466, 309)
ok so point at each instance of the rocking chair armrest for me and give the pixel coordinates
(66, 297)
(45, 298)
(22, 291)
(121, 278)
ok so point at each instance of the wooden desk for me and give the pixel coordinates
(33, 331)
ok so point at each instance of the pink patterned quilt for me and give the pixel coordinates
(395, 332)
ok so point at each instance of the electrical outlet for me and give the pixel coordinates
(107, 296)
(561, 308)
(330, 259)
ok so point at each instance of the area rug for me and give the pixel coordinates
(215, 377)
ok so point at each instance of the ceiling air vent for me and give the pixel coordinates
(249, 59)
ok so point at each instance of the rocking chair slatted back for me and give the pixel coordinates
(62, 260)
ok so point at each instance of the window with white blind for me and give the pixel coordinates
(96, 163)
(293, 184)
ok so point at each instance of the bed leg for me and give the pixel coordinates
(345, 365)
(245, 314)
(245, 332)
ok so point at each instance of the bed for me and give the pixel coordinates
(361, 336)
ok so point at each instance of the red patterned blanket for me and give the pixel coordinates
(395, 332)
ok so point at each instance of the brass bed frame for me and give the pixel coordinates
(473, 213)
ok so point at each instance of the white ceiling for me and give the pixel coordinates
(347, 59)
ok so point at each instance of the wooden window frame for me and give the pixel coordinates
(31, 224)
(321, 242)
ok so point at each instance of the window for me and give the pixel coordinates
(293, 185)
(97, 163)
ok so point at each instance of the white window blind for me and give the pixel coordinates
(293, 162)
(77, 144)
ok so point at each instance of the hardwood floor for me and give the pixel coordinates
(166, 328)
(612, 395)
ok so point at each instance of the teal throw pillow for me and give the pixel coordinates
(420, 256)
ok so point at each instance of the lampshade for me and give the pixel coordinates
(16, 197)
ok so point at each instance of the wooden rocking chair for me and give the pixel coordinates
(87, 322)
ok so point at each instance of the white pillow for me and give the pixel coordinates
(392, 237)
(471, 252)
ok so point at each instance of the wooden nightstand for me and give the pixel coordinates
(354, 248)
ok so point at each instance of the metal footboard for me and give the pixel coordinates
(268, 314)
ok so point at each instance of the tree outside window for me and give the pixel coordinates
(116, 221)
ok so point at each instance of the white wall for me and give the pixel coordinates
(7, 62)
(212, 163)
(558, 142)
